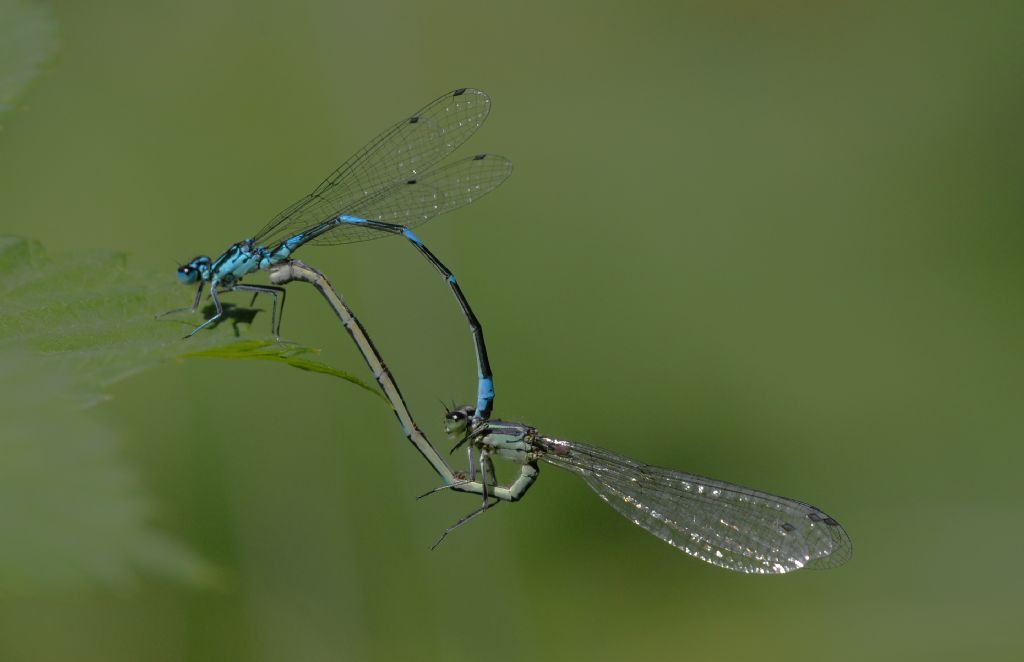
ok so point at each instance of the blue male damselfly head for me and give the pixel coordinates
(196, 269)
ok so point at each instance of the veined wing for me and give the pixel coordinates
(400, 153)
(415, 201)
(729, 526)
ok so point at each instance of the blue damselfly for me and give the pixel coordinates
(389, 186)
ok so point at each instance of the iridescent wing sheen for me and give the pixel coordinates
(727, 525)
(402, 152)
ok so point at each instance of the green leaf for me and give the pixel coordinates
(73, 513)
(286, 353)
(28, 38)
(98, 317)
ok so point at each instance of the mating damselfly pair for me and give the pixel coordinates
(393, 184)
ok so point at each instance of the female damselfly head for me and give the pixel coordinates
(456, 421)
(196, 269)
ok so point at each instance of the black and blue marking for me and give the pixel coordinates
(389, 186)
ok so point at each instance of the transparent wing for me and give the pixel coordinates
(415, 201)
(729, 526)
(400, 153)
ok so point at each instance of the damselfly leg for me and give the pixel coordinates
(277, 308)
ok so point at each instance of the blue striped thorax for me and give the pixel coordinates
(235, 263)
(238, 261)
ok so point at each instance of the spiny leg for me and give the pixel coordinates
(217, 315)
(514, 492)
(528, 474)
(476, 432)
(487, 474)
(462, 521)
(275, 317)
(192, 309)
(458, 483)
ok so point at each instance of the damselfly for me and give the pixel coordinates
(387, 187)
(729, 526)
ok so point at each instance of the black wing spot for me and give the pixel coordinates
(831, 522)
(787, 527)
(459, 92)
(411, 181)
(479, 157)
(814, 517)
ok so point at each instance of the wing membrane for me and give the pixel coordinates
(402, 152)
(416, 201)
(729, 526)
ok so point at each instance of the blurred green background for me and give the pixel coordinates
(778, 244)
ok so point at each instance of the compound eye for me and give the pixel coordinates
(187, 274)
